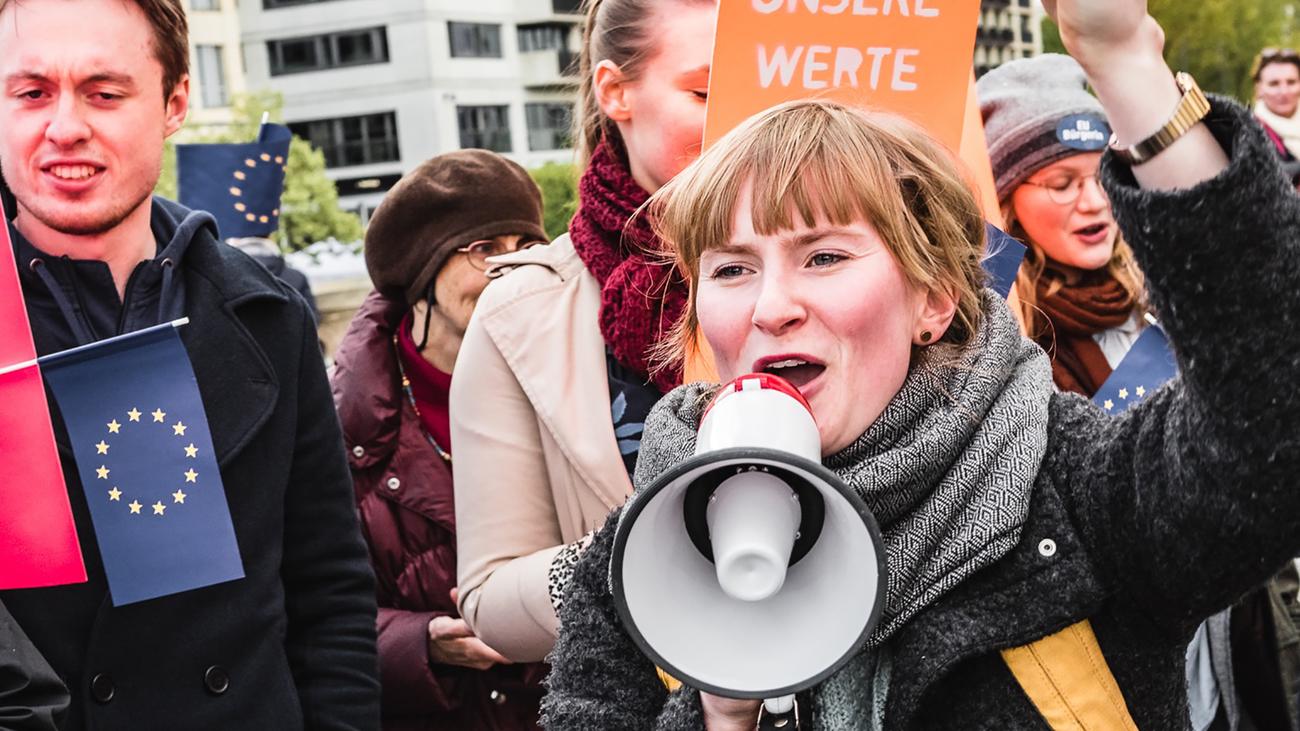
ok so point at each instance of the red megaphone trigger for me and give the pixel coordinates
(754, 382)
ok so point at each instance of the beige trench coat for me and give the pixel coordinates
(536, 463)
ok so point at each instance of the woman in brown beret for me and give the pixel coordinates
(426, 250)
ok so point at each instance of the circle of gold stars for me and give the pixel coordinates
(237, 192)
(178, 429)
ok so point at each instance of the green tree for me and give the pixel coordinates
(559, 186)
(309, 208)
(1214, 40)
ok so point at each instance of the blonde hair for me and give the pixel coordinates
(614, 30)
(814, 158)
(1122, 267)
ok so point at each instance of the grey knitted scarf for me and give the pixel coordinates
(947, 468)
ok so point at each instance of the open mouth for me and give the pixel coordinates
(797, 371)
(72, 173)
(1093, 231)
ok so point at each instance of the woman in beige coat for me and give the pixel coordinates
(553, 378)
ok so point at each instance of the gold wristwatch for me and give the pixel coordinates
(1192, 108)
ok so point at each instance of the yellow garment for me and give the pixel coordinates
(1069, 681)
(669, 681)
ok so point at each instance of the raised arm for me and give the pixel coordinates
(1189, 499)
(1120, 46)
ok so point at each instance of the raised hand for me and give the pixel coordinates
(1094, 29)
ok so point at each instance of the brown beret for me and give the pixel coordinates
(448, 202)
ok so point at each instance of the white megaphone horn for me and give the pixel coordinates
(750, 570)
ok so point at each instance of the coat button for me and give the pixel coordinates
(497, 697)
(102, 688)
(216, 679)
(1047, 547)
(358, 451)
(394, 483)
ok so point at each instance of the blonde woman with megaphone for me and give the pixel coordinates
(1043, 561)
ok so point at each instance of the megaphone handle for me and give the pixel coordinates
(779, 714)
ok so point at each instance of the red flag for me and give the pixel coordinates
(38, 541)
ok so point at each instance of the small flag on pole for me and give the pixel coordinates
(1003, 259)
(239, 184)
(140, 437)
(1145, 368)
(38, 540)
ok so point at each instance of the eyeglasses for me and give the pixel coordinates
(1067, 190)
(479, 251)
(1277, 54)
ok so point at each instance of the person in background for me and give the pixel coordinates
(1276, 73)
(555, 378)
(267, 253)
(1081, 295)
(427, 250)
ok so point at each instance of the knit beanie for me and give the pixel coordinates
(446, 203)
(1037, 111)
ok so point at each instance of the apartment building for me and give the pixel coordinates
(216, 65)
(380, 87)
(1008, 29)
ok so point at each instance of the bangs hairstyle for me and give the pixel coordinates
(814, 158)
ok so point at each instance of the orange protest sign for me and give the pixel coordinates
(912, 57)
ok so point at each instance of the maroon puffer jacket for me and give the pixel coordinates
(404, 493)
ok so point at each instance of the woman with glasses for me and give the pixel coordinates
(1080, 293)
(427, 251)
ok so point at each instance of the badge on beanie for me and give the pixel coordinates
(1087, 132)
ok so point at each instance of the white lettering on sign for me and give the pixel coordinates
(906, 8)
(844, 64)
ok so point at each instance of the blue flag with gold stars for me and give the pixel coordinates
(239, 184)
(144, 454)
(1002, 262)
(1145, 368)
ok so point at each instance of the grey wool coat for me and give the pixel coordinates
(1161, 516)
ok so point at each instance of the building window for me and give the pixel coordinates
(548, 126)
(212, 76)
(362, 140)
(205, 4)
(328, 51)
(542, 37)
(485, 127)
(475, 40)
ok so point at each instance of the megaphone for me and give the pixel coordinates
(750, 570)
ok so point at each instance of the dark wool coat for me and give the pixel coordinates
(404, 491)
(1160, 517)
(32, 698)
(291, 645)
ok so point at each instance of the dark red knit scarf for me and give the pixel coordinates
(1077, 312)
(641, 297)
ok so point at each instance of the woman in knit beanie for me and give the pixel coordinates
(1081, 295)
(556, 377)
(426, 250)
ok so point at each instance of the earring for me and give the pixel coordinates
(925, 336)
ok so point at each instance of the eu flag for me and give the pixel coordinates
(1002, 261)
(1146, 367)
(239, 184)
(140, 438)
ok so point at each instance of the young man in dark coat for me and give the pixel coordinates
(91, 89)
